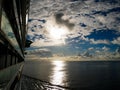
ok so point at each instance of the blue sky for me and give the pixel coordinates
(72, 27)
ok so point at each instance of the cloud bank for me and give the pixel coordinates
(83, 24)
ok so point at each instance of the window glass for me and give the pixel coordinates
(16, 16)
(2, 56)
(7, 29)
(0, 13)
(26, 19)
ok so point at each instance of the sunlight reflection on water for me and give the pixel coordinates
(58, 76)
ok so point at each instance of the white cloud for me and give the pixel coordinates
(77, 47)
(99, 41)
(116, 41)
(43, 43)
(40, 52)
(91, 48)
(105, 48)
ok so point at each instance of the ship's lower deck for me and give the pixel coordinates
(10, 76)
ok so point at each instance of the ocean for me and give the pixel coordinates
(71, 75)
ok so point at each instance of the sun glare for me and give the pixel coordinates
(57, 33)
(58, 76)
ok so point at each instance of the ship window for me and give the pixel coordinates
(16, 16)
(13, 60)
(7, 29)
(18, 5)
(2, 56)
(8, 60)
(2, 61)
(16, 60)
(0, 13)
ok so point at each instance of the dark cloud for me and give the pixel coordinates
(41, 52)
(108, 1)
(59, 20)
(83, 25)
(40, 20)
(104, 13)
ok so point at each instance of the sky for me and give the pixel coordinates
(84, 28)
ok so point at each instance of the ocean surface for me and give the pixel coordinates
(71, 75)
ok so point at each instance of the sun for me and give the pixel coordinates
(57, 33)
